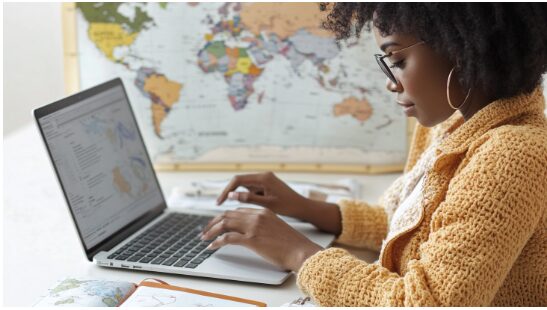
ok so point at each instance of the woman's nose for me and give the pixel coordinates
(392, 87)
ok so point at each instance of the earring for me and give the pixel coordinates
(448, 92)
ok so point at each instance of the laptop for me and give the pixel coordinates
(116, 202)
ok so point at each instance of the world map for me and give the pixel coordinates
(74, 292)
(242, 82)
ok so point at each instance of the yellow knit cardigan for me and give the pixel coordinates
(481, 235)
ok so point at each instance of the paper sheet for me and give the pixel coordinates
(146, 296)
(202, 195)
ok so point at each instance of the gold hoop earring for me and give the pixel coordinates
(448, 92)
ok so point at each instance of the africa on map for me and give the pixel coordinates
(242, 83)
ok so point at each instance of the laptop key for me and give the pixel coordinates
(181, 263)
(158, 260)
(190, 255)
(198, 260)
(191, 266)
(146, 260)
(170, 261)
(171, 238)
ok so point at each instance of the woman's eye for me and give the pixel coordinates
(398, 64)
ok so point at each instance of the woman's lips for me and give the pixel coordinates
(409, 108)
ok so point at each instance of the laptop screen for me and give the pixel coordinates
(102, 163)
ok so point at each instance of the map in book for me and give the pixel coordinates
(146, 296)
(242, 82)
(73, 292)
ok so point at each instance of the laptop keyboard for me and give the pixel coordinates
(174, 241)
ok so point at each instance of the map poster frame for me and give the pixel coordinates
(72, 85)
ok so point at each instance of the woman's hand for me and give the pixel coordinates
(268, 191)
(264, 233)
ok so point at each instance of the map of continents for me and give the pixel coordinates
(86, 293)
(255, 58)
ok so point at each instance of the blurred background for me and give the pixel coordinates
(33, 60)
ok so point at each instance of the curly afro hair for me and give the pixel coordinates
(501, 48)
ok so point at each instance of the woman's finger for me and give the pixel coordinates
(212, 222)
(225, 225)
(228, 238)
(248, 210)
(248, 197)
(218, 218)
(238, 180)
(256, 190)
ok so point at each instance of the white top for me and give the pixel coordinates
(399, 217)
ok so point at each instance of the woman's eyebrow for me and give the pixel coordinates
(388, 44)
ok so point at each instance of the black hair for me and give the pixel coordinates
(499, 47)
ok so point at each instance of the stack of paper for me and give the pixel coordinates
(202, 195)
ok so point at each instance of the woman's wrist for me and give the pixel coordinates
(324, 215)
(303, 254)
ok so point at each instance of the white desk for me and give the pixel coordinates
(41, 245)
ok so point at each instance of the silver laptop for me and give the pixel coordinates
(116, 202)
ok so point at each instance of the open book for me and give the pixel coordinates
(149, 293)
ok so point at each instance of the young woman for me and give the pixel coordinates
(466, 224)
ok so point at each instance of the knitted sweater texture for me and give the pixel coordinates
(477, 236)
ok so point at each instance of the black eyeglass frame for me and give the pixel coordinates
(385, 67)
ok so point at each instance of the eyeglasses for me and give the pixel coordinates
(381, 62)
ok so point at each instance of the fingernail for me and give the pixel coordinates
(232, 195)
(209, 247)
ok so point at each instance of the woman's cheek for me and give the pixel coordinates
(411, 84)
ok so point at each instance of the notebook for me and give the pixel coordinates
(148, 293)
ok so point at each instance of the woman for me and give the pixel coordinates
(466, 223)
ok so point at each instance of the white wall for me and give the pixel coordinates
(33, 60)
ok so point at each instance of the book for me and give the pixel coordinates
(149, 292)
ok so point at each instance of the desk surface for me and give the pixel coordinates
(41, 245)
